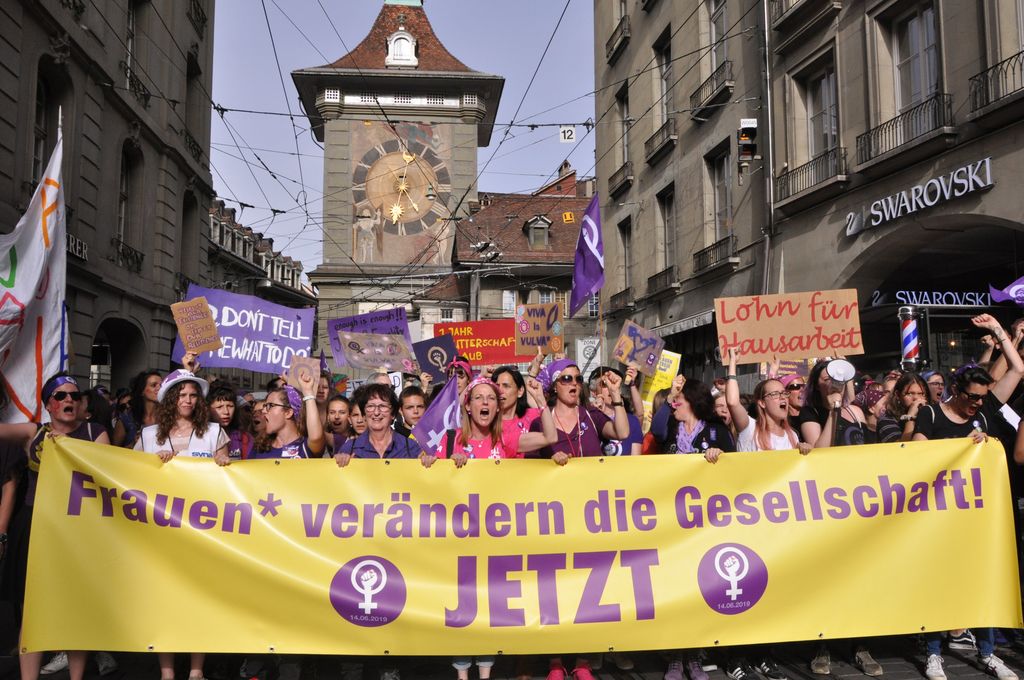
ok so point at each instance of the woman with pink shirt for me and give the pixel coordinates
(517, 415)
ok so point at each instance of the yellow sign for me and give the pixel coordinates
(668, 368)
(521, 557)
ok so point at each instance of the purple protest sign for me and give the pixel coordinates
(382, 322)
(257, 335)
(442, 415)
(434, 355)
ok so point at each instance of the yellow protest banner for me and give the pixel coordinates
(668, 368)
(387, 557)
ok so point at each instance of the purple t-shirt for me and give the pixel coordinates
(296, 449)
(624, 447)
(584, 440)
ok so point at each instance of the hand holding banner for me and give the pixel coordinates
(196, 327)
(639, 346)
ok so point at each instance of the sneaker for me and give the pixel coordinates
(674, 671)
(964, 641)
(821, 664)
(933, 669)
(741, 671)
(595, 661)
(867, 664)
(105, 663)
(582, 670)
(993, 665)
(771, 670)
(58, 663)
(696, 670)
(621, 661)
(557, 671)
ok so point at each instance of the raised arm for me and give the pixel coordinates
(634, 392)
(1004, 387)
(314, 427)
(531, 441)
(619, 427)
(732, 395)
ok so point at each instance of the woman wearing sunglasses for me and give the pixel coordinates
(581, 430)
(972, 411)
(61, 398)
(770, 430)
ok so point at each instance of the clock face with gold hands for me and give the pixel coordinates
(396, 180)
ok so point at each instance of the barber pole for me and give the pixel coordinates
(909, 339)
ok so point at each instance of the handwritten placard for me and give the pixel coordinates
(539, 326)
(639, 346)
(303, 365)
(196, 325)
(789, 326)
(434, 355)
(391, 321)
(492, 341)
(378, 352)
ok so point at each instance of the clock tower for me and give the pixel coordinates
(400, 120)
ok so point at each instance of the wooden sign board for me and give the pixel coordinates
(789, 326)
(196, 327)
(539, 326)
(638, 346)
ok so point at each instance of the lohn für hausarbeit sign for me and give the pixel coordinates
(967, 179)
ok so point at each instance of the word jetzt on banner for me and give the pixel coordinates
(525, 557)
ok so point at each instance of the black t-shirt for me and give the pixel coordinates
(933, 423)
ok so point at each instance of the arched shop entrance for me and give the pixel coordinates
(948, 273)
(119, 352)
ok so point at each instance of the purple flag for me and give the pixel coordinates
(442, 415)
(1012, 293)
(588, 274)
(324, 368)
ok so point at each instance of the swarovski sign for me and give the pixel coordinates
(967, 179)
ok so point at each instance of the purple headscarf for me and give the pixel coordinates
(549, 374)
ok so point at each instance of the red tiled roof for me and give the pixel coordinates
(451, 288)
(371, 52)
(502, 223)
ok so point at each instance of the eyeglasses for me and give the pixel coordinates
(971, 396)
(62, 395)
(567, 379)
(793, 387)
(267, 405)
(936, 383)
(775, 395)
(377, 408)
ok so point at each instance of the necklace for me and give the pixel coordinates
(568, 436)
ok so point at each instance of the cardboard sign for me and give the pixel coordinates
(800, 367)
(789, 326)
(390, 321)
(639, 346)
(490, 342)
(434, 355)
(539, 326)
(302, 365)
(377, 352)
(257, 335)
(667, 370)
(196, 326)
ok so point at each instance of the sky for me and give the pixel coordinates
(272, 161)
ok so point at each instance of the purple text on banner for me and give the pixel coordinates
(383, 322)
(257, 335)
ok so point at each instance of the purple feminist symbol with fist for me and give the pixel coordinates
(368, 591)
(732, 578)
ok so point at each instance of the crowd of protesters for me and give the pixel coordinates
(552, 412)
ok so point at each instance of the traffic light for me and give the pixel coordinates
(746, 141)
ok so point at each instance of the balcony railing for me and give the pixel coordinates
(819, 169)
(714, 255)
(197, 15)
(135, 85)
(192, 145)
(931, 114)
(621, 179)
(780, 7)
(664, 280)
(997, 82)
(719, 82)
(127, 257)
(662, 140)
(621, 300)
(620, 36)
